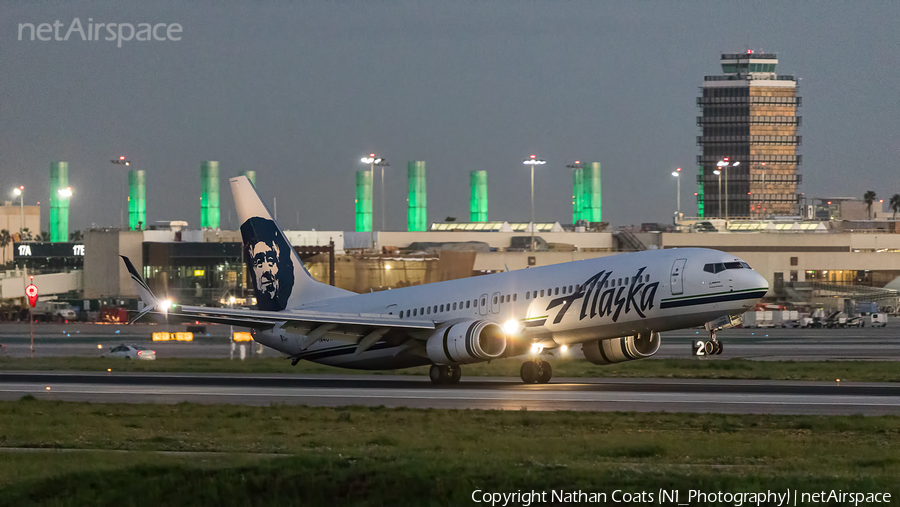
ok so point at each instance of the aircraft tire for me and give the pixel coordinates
(719, 348)
(710, 348)
(529, 372)
(454, 374)
(439, 374)
(545, 372)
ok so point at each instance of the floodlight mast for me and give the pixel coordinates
(533, 161)
(121, 161)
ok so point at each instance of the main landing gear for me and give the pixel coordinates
(536, 371)
(713, 347)
(444, 374)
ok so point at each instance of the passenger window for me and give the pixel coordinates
(422, 311)
(483, 302)
(467, 303)
(570, 288)
(528, 295)
(454, 306)
(401, 314)
(429, 310)
(407, 313)
(514, 297)
(442, 308)
(542, 292)
(556, 292)
(414, 312)
(495, 300)
(647, 278)
(620, 282)
(435, 308)
(534, 294)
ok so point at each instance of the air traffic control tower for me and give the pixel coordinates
(749, 116)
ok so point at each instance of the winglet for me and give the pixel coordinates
(150, 301)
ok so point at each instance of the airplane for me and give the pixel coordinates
(615, 307)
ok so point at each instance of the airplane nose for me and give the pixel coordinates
(760, 281)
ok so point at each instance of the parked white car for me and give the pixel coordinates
(131, 352)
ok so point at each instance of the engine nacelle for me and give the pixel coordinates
(470, 341)
(619, 350)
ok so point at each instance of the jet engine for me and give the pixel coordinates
(619, 350)
(469, 341)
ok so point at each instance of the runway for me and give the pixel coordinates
(641, 395)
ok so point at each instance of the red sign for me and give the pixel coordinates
(32, 292)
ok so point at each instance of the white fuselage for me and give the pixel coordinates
(562, 304)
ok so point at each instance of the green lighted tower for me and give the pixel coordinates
(363, 201)
(59, 201)
(251, 175)
(416, 217)
(137, 200)
(209, 195)
(591, 204)
(577, 193)
(478, 203)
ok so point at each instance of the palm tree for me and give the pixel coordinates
(75, 237)
(869, 198)
(895, 204)
(25, 234)
(5, 239)
(44, 236)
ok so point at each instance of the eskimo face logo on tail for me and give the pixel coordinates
(269, 258)
(638, 295)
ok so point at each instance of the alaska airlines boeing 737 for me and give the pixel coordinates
(615, 307)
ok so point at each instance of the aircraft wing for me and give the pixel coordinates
(263, 320)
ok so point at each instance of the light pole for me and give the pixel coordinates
(718, 173)
(677, 174)
(373, 161)
(533, 161)
(724, 164)
(121, 161)
(20, 191)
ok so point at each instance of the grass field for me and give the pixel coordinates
(859, 371)
(185, 454)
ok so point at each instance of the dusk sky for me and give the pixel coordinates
(299, 91)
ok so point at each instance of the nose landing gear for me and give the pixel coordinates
(444, 374)
(713, 347)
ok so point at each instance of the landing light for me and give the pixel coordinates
(564, 349)
(536, 348)
(511, 326)
(165, 304)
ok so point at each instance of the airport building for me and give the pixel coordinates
(748, 141)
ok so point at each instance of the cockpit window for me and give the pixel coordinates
(718, 267)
